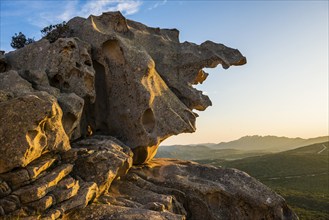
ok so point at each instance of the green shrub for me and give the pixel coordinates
(53, 32)
(19, 41)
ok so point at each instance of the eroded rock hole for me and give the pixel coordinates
(66, 85)
(148, 120)
(87, 62)
(113, 52)
(57, 81)
(200, 77)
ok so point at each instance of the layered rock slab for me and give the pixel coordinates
(57, 183)
(196, 192)
(42, 188)
(101, 159)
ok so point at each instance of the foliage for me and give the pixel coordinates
(300, 176)
(19, 41)
(53, 32)
(307, 205)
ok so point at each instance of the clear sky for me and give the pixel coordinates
(282, 90)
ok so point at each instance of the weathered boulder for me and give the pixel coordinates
(101, 160)
(62, 69)
(193, 190)
(43, 189)
(66, 63)
(12, 83)
(86, 194)
(72, 107)
(39, 81)
(57, 183)
(30, 126)
(144, 80)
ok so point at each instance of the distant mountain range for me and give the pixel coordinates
(270, 143)
(244, 147)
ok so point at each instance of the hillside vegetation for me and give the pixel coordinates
(300, 176)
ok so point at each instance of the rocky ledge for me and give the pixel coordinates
(81, 119)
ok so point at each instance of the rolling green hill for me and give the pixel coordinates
(301, 176)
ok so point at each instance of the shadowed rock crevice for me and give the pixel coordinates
(113, 52)
(148, 120)
(101, 99)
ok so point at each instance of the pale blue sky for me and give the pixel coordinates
(283, 89)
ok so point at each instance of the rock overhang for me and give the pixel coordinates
(136, 81)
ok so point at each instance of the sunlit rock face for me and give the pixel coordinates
(64, 70)
(33, 127)
(187, 190)
(144, 79)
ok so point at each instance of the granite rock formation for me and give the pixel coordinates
(152, 73)
(31, 125)
(77, 113)
(148, 68)
(187, 189)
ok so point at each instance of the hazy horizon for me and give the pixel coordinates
(281, 91)
(321, 136)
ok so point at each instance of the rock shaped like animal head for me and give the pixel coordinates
(144, 79)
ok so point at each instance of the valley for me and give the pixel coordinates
(300, 175)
